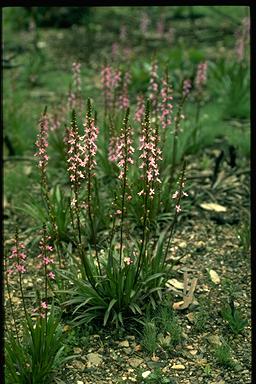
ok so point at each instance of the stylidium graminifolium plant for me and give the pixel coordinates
(118, 281)
(34, 349)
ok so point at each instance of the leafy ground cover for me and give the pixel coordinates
(159, 286)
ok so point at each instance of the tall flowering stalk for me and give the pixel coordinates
(150, 154)
(126, 151)
(74, 95)
(166, 106)
(241, 36)
(177, 196)
(200, 80)
(18, 257)
(90, 139)
(76, 165)
(46, 260)
(124, 97)
(110, 80)
(144, 23)
(140, 109)
(154, 88)
(43, 157)
(160, 27)
(177, 129)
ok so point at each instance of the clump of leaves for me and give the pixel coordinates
(201, 318)
(167, 322)
(157, 377)
(149, 337)
(223, 355)
(40, 354)
(234, 318)
(244, 235)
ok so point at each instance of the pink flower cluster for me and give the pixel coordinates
(201, 74)
(42, 309)
(115, 49)
(124, 98)
(153, 86)
(114, 149)
(160, 27)
(81, 150)
(123, 33)
(90, 139)
(18, 256)
(140, 108)
(241, 37)
(71, 99)
(76, 69)
(144, 23)
(179, 194)
(54, 122)
(125, 151)
(110, 79)
(45, 256)
(186, 87)
(166, 106)
(150, 155)
(42, 143)
(75, 154)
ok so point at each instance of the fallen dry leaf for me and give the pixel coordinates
(188, 294)
(213, 207)
(214, 276)
(175, 283)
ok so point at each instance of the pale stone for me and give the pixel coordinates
(135, 361)
(178, 366)
(93, 359)
(124, 343)
(145, 374)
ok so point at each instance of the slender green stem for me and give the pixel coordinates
(198, 109)
(176, 212)
(11, 306)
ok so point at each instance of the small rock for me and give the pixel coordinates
(135, 361)
(127, 351)
(78, 365)
(137, 348)
(178, 366)
(93, 359)
(77, 350)
(191, 317)
(214, 340)
(145, 374)
(124, 343)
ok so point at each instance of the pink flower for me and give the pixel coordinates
(47, 260)
(140, 108)
(20, 268)
(166, 106)
(153, 86)
(127, 260)
(186, 87)
(44, 305)
(118, 212)
(201, 74)
(144, 23)
(51, 275)
(42, 143)
(150, 153)
(178, 208)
